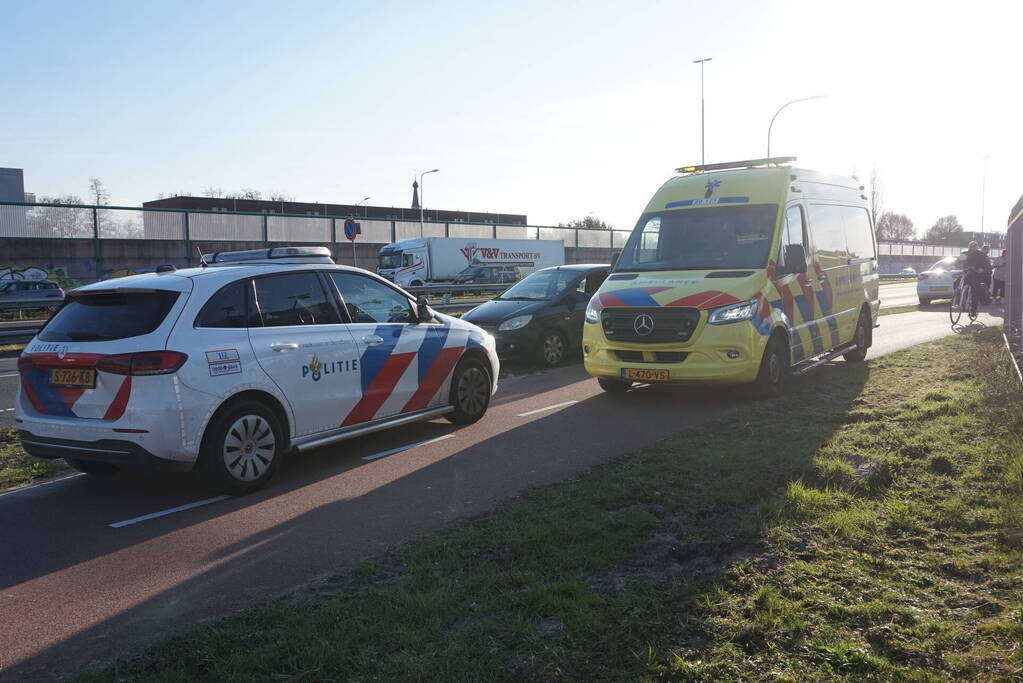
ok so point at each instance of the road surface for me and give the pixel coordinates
(901, 294)
(93, 568)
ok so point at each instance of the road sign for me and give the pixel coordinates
(351, 229)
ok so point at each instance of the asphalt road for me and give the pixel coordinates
(87, 572)
(901, 294)
(8, 388)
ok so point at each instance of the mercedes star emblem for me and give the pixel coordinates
(643, 324)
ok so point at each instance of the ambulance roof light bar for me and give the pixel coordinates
(749, 163)
(299, 254)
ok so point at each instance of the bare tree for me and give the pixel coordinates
(98, 192)
(894, 226)
(876, 196)
(245, 193)
(177, 193)
(212, 192)
(51, 221)
(946, 230)
(280, 197)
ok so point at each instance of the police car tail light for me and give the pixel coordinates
(141, 364)
(26, 362)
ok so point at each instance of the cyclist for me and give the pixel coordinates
(974, 263)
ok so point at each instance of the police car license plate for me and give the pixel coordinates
(73, 377)
(645, 375)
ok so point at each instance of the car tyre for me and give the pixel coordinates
(552, 349)
(242, 448)
(925, 301)
(471, 386)
(774, 370)
(96, 469)
(862, 337)
(614, 386)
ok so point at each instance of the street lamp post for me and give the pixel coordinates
(422, 197)
(703, 149)
(365, 214)
(802, 99)
(983, 196)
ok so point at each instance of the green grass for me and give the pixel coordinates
(866, 527)
(11, 348)
(17, 467)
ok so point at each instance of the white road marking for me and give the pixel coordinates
(7, 410)
(376, 456)
(171, 511)
(28, 487)
(13, 374)
(543, 410)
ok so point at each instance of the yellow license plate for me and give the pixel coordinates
(645, 375)
(73, 377)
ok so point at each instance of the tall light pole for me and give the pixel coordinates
(801, 99)
(983, 195)
(422, 196)
(359, 203)
(703, 148)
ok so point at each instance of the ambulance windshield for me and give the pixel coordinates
(701, 239)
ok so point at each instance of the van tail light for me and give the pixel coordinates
(921, 276)
(142, 364)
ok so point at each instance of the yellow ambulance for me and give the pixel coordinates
(738, 273)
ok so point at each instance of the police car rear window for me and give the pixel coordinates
(108, 316)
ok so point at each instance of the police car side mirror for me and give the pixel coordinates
(423, 312)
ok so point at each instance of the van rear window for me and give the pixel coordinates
(107, 316)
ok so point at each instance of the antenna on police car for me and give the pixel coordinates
(201, 262)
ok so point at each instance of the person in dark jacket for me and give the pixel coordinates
(975, 263)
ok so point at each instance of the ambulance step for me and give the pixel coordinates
(803, 369)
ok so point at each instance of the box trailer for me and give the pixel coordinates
(426, 260)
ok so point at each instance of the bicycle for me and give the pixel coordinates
(962, 299)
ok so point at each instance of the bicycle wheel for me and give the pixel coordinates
(955, 306)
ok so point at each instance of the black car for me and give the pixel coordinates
(541, 317)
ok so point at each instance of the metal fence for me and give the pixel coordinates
(64, 221)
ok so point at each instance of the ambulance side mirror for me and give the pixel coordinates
(423, 312)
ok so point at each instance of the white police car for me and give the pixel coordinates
(228, 366)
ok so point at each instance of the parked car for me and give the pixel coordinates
(937, 281)
(541, 318)
(908, 272)
(30, 294)
(228, 367)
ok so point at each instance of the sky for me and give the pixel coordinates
(552, 109)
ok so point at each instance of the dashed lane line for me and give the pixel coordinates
(377, 456)
(171, 511)
(543, 410)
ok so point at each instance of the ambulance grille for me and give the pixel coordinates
(668, 324)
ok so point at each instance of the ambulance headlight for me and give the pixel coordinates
(733, 313)
(516, 323)
(592, 313)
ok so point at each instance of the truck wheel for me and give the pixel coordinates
(416, 283)
(470, 392)
(925, 301)
(613, 386)
(242, 448)
(862, 339)
(774, 370)
(96, 469)
(551, 349)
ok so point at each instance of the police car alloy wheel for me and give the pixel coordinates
(242, 448)
(470, 392)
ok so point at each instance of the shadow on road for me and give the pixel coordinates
(344, 532)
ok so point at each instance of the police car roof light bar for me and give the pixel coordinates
(312, 254)
(749, 163)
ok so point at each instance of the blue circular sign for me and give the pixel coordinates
(350, 229)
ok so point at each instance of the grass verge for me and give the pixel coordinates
(868, 526)
(899, 309)
(17, 467)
